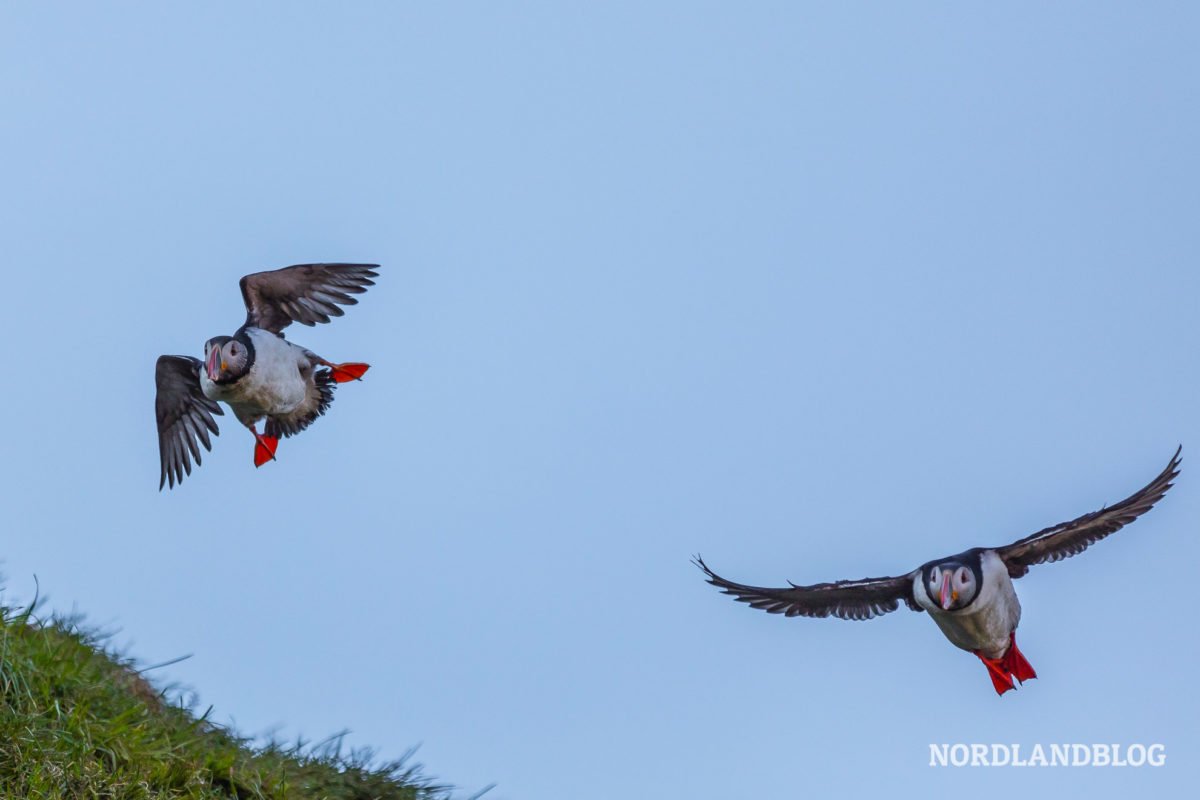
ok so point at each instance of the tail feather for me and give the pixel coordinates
(316, 404)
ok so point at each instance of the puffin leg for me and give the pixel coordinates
(264, 447)
(997, 672)
(1014, 661)
(349, 371)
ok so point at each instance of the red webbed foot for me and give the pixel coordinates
(997, 672)
(264, 448)
(1014, 662)
(350, 371)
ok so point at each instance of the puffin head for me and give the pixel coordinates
(950, 584)
(225, 359)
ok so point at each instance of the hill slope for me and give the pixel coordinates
(78, 721)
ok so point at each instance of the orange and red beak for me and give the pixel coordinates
(947, 596)
(213, 366)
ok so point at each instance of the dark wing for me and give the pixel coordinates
(1071, 538)
(305, 293)
(184, 415)
(862, 599)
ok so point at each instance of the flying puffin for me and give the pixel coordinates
(257, 372)
(970, 596)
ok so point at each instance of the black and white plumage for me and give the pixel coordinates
(256, 371)
(970, 596)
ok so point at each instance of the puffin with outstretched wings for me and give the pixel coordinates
(970, 596)
(256, 371)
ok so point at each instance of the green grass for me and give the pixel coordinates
(79, 721)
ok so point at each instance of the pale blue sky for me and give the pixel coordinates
(817, 290)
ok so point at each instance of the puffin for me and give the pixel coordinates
(258, 373)
(970, 596)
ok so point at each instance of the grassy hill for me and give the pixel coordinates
(79, 721)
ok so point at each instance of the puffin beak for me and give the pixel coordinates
(214, 356)
(947, 596)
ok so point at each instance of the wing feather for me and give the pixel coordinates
(855, 600)
(304, 293)
(183, 414)
(1072, 538)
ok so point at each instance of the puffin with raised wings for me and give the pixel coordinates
(256, 371)
(970, 595)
